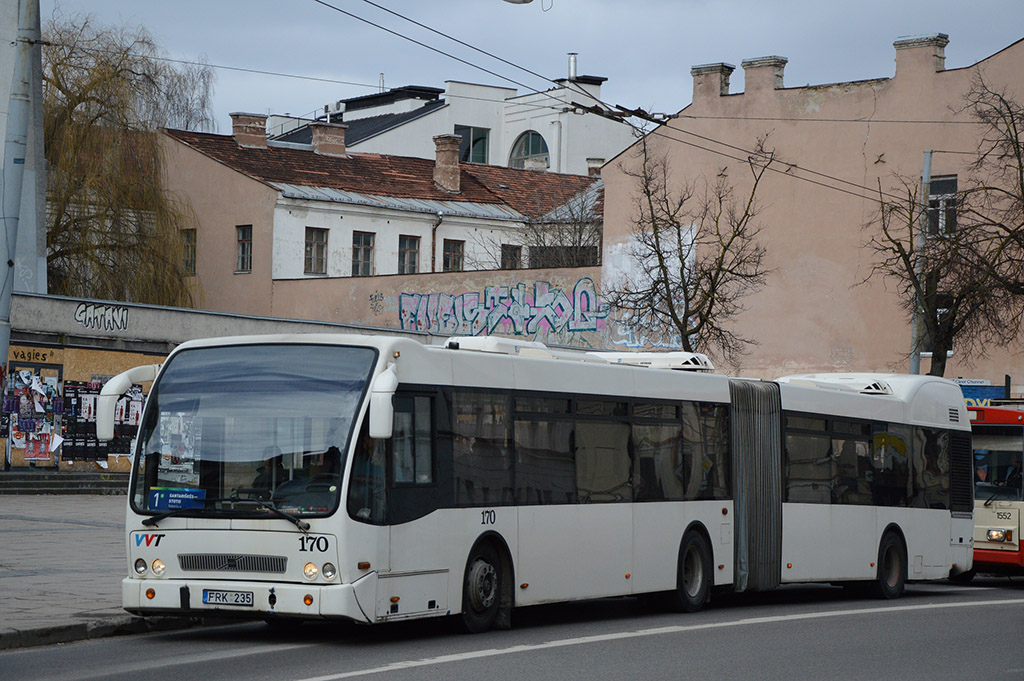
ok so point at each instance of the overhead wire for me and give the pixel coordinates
(431, 48)
(605, 110)
(609, 108)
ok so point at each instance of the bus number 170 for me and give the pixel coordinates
(487, 517)
(313, 544)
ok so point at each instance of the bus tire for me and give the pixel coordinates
(693, 577)
(481, 589)
(892, 567)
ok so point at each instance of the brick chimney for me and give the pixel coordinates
(763, 73)
(711, 80)
(921, 54)
(249, 130)
(594, 166)
(446, 163)
(329, 138)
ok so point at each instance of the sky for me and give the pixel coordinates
(645, 48)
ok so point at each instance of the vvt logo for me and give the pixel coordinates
(149, 539)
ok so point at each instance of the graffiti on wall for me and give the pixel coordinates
(102, 317)
(626, 333)
(539, 312)
(376, 303)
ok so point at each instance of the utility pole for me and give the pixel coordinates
(919, 246)
(15, 147)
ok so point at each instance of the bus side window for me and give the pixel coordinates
(367, 491)
(413, 460)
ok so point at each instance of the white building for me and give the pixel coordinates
(539, 131)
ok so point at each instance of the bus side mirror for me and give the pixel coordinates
(382, 409)
(112, 392)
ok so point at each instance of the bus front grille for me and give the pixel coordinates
(231, 562)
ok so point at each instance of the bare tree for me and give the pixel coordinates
(113, 231)
(695, 254)
(937, 276)
(568, 236)
(959, 268)
(993, 203)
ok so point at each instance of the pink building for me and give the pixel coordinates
(836, 142)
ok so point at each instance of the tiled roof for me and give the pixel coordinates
(533, 193)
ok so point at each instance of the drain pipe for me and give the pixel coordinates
(433, 241)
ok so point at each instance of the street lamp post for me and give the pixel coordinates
(15, 147)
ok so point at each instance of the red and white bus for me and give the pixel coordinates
(998, 436)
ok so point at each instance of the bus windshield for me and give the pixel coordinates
(242, 431)
(997, 463)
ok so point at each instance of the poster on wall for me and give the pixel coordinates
(80, 442)
(34, 407)
(48, 420)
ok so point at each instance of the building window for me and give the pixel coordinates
(408, 254)
(511, 257)
(316, 251)
(564, 256)
(473, 147)
(530, 151)
(453, 250)
(942, 206)
(243, 235)
(188, 258)
(362, 254)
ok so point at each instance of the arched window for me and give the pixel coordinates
(530, 151)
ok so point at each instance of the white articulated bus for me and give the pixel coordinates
(376, 479)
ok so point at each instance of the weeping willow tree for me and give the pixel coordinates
(113, 231)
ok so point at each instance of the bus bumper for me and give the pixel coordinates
(998, 561)
(258, 600)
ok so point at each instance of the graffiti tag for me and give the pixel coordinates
(511, 310)
(102, 317)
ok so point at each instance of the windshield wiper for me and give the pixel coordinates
(269, 505)
(1013, 485)
(235, 499)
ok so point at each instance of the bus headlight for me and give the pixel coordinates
(309, 570)
(140, 567)
(158, 567)
(329, 571)
(997, 535)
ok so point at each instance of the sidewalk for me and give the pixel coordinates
(62, 558)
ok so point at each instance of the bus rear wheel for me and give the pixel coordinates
(481, 590)
(693, 579)
(892, 567)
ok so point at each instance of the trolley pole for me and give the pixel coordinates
(919, 244)
(15, 147)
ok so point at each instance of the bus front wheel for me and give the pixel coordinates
(481, 590)
(693, 580)
(892, 567)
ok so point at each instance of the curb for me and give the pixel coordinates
(117, 626)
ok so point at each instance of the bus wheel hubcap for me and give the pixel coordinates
(483, 585)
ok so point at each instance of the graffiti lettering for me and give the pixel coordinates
(102, 317)
(376, 302)
(510, 310)
(29, 355)
(630, 335)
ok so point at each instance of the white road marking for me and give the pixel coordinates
(585, 640)
(175, 659)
